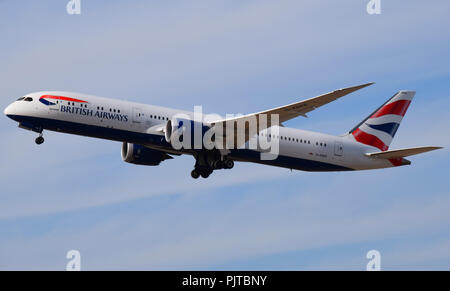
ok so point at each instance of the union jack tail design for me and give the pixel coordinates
(379, 128)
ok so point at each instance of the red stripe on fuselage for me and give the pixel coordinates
(398, 108)
(369, 139)
(63, 98)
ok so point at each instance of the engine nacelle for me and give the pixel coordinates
(182, 133)
(141, 155)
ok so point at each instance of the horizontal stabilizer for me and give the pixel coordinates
(392, 154)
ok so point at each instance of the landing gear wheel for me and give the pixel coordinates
(229, 164)
(195, 174)
(39, 140)
(217, 164)
(205, 174)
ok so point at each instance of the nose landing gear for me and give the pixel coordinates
(39, 139)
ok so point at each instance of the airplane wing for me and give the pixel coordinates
(401, 153)
(287, 112)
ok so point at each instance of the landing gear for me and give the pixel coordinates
(195, 174)
(207, 162)
(229, 164)
(39, 139)
(225, 164)
(205, 174)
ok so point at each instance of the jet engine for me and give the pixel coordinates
(141, 155)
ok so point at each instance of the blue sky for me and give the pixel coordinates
(230, 57)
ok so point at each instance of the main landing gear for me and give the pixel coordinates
(205, 164)
(195, 174)
(39, 139)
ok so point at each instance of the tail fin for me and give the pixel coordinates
(379, 128)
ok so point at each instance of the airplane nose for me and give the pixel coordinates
(8, 111)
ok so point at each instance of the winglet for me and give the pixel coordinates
(349, 90)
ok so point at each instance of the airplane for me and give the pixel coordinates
(145, 132)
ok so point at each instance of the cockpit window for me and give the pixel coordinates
(21, 98)
(28, 99)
